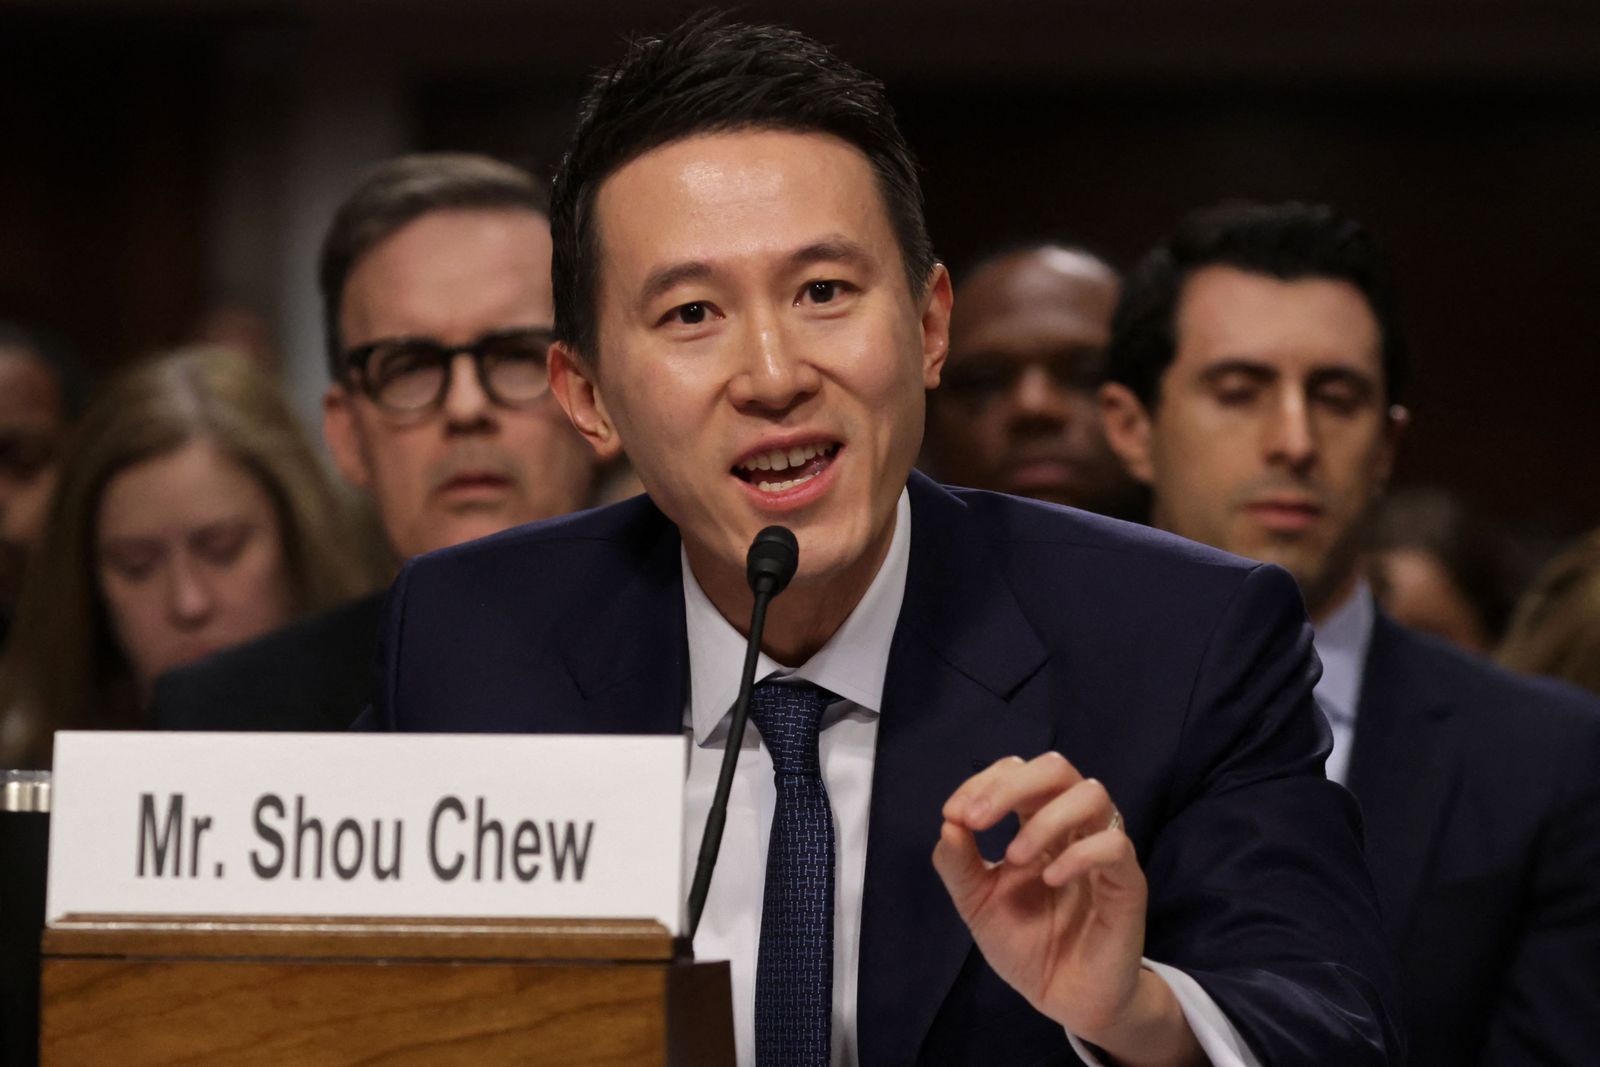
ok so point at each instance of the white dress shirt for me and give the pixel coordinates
(851, 665)
(1341, 642)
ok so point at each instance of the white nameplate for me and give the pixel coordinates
(421, 825)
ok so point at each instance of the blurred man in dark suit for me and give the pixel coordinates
(1256, 374)
(435, 279)
(1017, 411)
(748, 303)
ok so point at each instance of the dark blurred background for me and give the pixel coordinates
(167, 161)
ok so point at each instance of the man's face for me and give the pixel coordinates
(761, 357)
(31, 428)
(471, 467)
(1271, 437)
(1017, 411)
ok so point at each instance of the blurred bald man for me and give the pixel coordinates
(1017, 411)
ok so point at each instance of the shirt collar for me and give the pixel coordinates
(852, 664)
(1341, 643)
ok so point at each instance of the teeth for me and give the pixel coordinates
(778, 487)
(781, 459)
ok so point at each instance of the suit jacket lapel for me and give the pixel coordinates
(1400, 771)
(962, 648)
(627, 651)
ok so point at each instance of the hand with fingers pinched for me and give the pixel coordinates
(1061, 917)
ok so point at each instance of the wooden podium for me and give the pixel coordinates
(136, 990)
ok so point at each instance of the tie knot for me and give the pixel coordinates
(790, 719)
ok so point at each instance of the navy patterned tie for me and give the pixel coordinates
(794, 967)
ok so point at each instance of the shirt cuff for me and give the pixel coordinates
(1218, 1039)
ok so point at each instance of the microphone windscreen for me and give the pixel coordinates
(773, 558)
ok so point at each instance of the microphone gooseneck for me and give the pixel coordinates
(772, 560)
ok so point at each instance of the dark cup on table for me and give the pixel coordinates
(24, 852)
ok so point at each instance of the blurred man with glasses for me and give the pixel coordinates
(435, 278)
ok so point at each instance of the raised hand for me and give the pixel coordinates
(1061, 917)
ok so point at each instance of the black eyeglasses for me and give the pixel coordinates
(409, 375)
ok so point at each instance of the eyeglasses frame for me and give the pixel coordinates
(355, 368)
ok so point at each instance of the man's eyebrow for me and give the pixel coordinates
(1265, 372)
(663, 279)
(1249, 368)
(835, 248)
(1343, 375)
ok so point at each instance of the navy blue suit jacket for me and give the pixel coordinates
(1481, 793)
(312, 675)
(1178, 675)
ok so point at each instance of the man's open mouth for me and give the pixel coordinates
(778, 470)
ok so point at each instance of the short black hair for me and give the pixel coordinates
(710, 75)
(1289, 241)
(399, 191)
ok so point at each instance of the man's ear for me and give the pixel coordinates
(344, 437)
(1126, 424)
(936, 307)
(1396, 420)
(578, 393)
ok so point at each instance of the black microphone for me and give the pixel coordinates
(774, 555)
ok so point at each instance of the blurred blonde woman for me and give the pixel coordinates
(1556, 628)
(190, 515)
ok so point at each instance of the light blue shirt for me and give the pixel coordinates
(1341, 643)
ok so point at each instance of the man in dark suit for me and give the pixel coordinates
(746, 300)
(435, 279)
(1257, 369)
